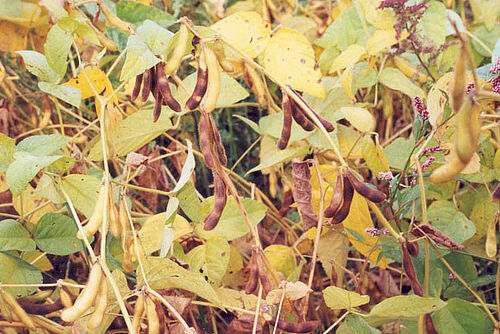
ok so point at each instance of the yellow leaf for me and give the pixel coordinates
(13, 37)
(358, 220)
(30, 201)
(348, 57)
(374, 156)
(3, 183)
(435, 105)
(30, 16)
(360, 118)
(339, 299)
(290, 58)
(38, 259)
(236, 298)
(349, 143)
(346, 82)
(328, 178)
(381, 19)
(246, 30)
(382, 39)
(281, 258)
(333, 246)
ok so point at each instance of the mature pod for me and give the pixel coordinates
(429, 325)
(17, 309)
(152, 315)
(346, 204)
(301, 118)
(65, 296)
(146, 84)
(162, 318)
(95, 18)
(255, 83)
(201, 84)
(158, 103)
(302, 193)
(410, 270)
(219, 204)
(457, 86)
(436, 235)
(204, 135)
(165, 90)
(295, 327)
(286, 104)
(413, 248)
(336, 201)
(210, 100)
(219, 147)
(101, 302)
(408, 70)
(496, 194)
(253, 279)
(95, 221)
(221, 57)
(115, 20)
(491, 238)
(468, 130)
(448, 171)
(371, 194)
(326, 124)
(138, 313)
(87, 297)
(175, 57)
(114, 223)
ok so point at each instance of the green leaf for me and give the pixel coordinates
(354, 324)
(57, 48)
(271, 125)
(136, 13)
(139, 58)
(11, 8)
(82, 190)
(216, 258)
(231, 224)
(279, 157)
(7, 149)
(189, 202)
(462, 317)
(488, 37)
(56, 234)
(340, 299)
(344, 31)
(363, 76)
(131, 134)
(403, 307)
(37, 64)
(163, 273)
(24, 168)
(42, 145)
(433, 23)
(156, 38)
(13, 270)
(68, 94)
(395, 79)
(398, 152)
(444, 216)
(13, 236)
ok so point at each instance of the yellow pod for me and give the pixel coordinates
(254, 81)
(95, 220)
(175, 57)
(101, 302)
(408, 70)
(457, 86)
(491, 239)
(211, 95)
(114, 219)
(221, 57)
(65, 298)
(138, 312)
(448, 171)
(153, 319)
(17, 310)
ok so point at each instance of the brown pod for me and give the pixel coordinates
(295, 327)
(95, 18)
(336, 201)
(326, 124)
(496, 194)
(301, 118)
(410, 270)
(286, 104)
(371, 194)
(253, 279)
(137, 86)
(429, 325)
(342, 213)
(146, 84)
(158, 103)
(413, 248)
(220, 203)
(201, 84)
(165, 90)
(221, 152)
(205, 141)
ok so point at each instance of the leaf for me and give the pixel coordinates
(374, 156)
(163, 273)
(187, 169)
(13, 236)
(482, 214)
(354, 324)
(83, 191)
(13, 270)
(231, 224)
(344, 31)
(340, 299)
(28, 202)
(395, 79)
(462, 317)
(24, 168)
(37, 259)
(236, 298)
(349, 142)
(302, 193)
(13, 37)
(279, 157)
(289, 49)
(357, 221)
(10, 7)
(42, 145)
(346, 82)
(139, 58)
(271, 125)
(88, 78)
(245, 30)
(57, 48)
(398, 152)
(292, 291)
(382, 39)
(433, 23)
(56, 234)
(156, 38)
(405, 307)
(67, 94)
(151, 232)
(379, 18)
(189, 202)
(435, 105)
(360, 118)
(444, 216)
(136, 13)
(7, 149)
(131, 134)
(216, 259)
(37, 64)
(348, 57)
(281, 258)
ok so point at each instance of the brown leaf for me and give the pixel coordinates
(302, 193)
